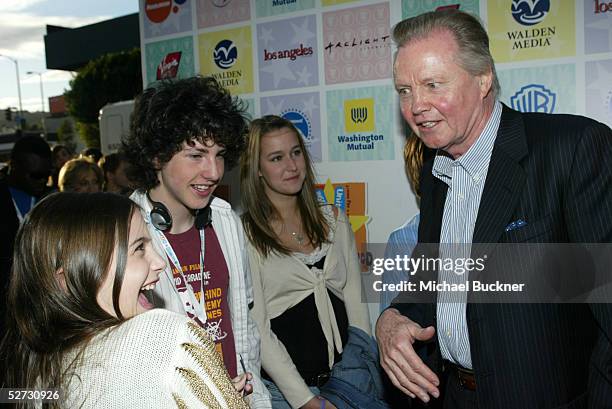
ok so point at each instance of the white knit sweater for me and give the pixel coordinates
(158, 359)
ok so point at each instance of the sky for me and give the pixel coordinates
(22, 29)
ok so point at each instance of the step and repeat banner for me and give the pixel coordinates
(326, 65)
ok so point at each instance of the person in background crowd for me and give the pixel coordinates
(80, 324)
(184, 134)
(25, 184)
(498, 176)
(93, 154)
(61, 155)
(403, 239)
(114, 167)
(81, 176)
(306, 275)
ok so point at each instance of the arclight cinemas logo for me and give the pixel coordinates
(169, 65)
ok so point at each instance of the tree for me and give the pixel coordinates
(110, 78)
(65, 135)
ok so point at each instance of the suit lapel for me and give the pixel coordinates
(505, 179)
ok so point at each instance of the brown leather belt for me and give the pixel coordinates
(466, 376)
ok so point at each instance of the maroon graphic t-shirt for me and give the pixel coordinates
(214, 283)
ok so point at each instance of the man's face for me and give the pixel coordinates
(120, 177)
(189, 179)
(444, 105)
(30, 173)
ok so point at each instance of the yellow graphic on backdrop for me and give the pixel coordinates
(333, 2)
(227, 56)
(359, 115)
(350, 197)
(532, 31)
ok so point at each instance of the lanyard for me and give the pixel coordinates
(180, 282)
(20, 215)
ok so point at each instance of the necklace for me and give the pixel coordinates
(298, 237)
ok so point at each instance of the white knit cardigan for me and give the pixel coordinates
(158, 359)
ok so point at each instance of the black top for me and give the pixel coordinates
(299, 329)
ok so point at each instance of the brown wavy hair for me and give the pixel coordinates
(63, 253)
(259, 210)
(413, 161)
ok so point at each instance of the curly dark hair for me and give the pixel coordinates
(175, 111)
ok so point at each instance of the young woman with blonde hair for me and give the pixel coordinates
(306, 275)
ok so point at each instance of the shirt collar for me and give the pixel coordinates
(476, 159)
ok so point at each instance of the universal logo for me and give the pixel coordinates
(301, 122)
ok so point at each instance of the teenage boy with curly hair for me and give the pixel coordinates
(184, 134)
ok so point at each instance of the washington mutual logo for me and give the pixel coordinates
(530, 12)
(301, 122)
(225, 54)
(534, 98)
(359, 115)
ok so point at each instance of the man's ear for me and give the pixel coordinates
(156, 163)
(485, 81)
(61, 278)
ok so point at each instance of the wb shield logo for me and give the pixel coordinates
(534, 98)
(300, 121)
(359, 115)
(225, 54)
(530, 12)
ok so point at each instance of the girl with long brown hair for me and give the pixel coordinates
(306, 275)
(78, 318)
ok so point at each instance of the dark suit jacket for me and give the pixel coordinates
(555, 173)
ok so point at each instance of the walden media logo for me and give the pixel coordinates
(534, 98)
(530, 12)
(225, 54)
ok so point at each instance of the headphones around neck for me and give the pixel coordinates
(162, 220)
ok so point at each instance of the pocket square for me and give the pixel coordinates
(516, 225)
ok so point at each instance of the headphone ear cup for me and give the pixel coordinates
(160, 216)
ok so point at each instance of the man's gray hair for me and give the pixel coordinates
(473, 56)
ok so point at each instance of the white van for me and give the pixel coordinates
(114, 124)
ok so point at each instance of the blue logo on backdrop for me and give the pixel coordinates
(300, 121)
(530, 12)
(534, 98)
(225, 54)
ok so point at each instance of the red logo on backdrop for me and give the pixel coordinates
(449, 7)
(602, 7)
(158, 10)
(168, 67)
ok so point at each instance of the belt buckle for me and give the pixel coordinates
(322, 379)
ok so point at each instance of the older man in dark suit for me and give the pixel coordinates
(499, 176)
